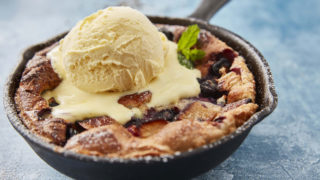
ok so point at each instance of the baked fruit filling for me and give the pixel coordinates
(226, 100)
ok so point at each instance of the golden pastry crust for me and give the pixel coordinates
(33, 109)
(115, 141)
(189, 124)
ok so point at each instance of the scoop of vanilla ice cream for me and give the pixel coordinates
(115, 49)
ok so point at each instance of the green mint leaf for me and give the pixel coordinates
(186, 53)
(188, 38)
(196, 54)
(185, 62)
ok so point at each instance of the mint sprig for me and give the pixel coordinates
(188, 39)
(185, 62)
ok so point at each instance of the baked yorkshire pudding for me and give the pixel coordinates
(231, 90)
(226, 100)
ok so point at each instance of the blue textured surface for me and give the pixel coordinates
(285, 145)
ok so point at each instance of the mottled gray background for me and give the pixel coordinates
(286, 145)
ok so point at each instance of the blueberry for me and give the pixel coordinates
(248, 100)
(200, 80)
(165, 114)
(153, 115)
(52, 102)
(222, 62)
(133, 121)
(208, 88)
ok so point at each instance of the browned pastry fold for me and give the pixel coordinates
(198, 121)
(33, 109)
(96, 122)
(239, 83)
(114, 140)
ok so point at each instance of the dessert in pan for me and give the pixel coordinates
(119, 86)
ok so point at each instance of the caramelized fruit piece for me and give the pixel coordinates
(236, 70)
(134, 130)
(236, 104)
(151, 122)
(200, 111)
(229, 54)
(96, 122)
(136, 99)
(152, 127)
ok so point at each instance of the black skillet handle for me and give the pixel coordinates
(207, 9)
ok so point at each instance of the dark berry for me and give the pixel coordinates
(153, 115)
(200, 80)
(236, 70)
(210, 90)
(150, 113)
(73, 129)
(43, 113)
(204, 99)
(222, 62)
(52, 102)
(166, 32)
(229, 54)
(133, 121)
(166, 114)
(134, 130)
(208, 87)
(212, 56)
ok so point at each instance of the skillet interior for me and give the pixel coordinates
(187, 164)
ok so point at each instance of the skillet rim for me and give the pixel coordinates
(14, 78)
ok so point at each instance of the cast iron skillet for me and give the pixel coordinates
(178, 166)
